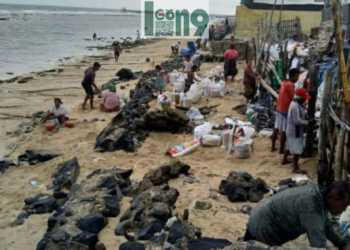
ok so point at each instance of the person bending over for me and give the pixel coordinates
(89, 82)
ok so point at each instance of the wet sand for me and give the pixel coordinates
(210, 165)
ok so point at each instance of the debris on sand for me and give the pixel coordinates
(39, 155)
(241, 187)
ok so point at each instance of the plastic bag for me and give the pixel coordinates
(194, 114)
(201, 130)
(242, 148)
(211, 140)
(249, 132)
(195, 92)
(206, 86)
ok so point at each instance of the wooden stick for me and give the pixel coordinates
(273, 69)
(339, 151)
(268, 88)
(17, 116)
(312, 109)
(346, 158)
(340, 49)
(323, 136)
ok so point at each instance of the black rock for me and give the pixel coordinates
(235, 194)
(245, 175)
(261, 186)
(17, 222)
(60, 236)
(23, 215)
(60, 195)
(100, 246)
(176, 232)
(68, 213)
(39, 155)
(63, 221)
(208, 244)
(86, 239)
(255, 195)
(112, 206)
(149, 231)
(109, 183)
(41, 245)
(202, 205)
(289, 182)
(51, 222)
(157, 198)
(92, 223)
(132, 246)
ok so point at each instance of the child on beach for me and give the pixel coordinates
(88, 83)
(191, 78)
(160, 78)
(187, 64)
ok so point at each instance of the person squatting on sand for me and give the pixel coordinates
(58, 113)
(285, 97)
(300, 210)
(88, 83)
(111, 101)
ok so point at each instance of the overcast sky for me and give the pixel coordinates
(216, 6)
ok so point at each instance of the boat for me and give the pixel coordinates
(123, 9)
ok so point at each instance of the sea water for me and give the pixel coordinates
(35, 38)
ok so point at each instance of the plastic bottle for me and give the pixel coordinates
(187, 102)
(225, 139)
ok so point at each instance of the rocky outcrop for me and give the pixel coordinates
(129, 127)
(76, 225)
(148, 212)
(241, 186)
(39, 155)
(252, 245)
(163, 174)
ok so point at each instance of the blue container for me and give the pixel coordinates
(192, 46)
(185, 51)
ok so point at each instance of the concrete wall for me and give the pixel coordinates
(247, 19)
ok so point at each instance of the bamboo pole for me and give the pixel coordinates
(346, 158)
(268, 88)
(323, 135)
(311, 109)
(340, 49)
(339, 148)
(266, 36)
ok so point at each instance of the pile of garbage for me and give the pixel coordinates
(241, 187)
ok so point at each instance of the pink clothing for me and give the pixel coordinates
(231, 54)
(111, 100)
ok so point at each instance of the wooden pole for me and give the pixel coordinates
(313, 86)
(268, 88)
(323, 135)
(266, 36)
(346, 158)
(339, 149)
(340, 49)
(279, 23)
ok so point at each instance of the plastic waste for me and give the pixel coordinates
(195, 93)
(186, 101)
(211, 140)
(206, 86)
(225, 139)
(201, 130)
(194, 114)
(242, 148)
(184, 149)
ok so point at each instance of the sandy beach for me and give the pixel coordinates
(209, 165)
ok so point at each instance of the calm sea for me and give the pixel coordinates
(36, 37)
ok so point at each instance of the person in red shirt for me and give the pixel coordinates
(285, 97)
(230, 57)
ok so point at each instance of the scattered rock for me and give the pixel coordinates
(40, 204)
(208, 244)
(132, 246)
(100, 246)
(66, 175)
(60, 70)
(17, 222)
(5, 164)
(95, 120)
(125, 74)
(202, 205)
(163, 174)
(241, 187)
(23, 215)
(92, 223)
(39, 155)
